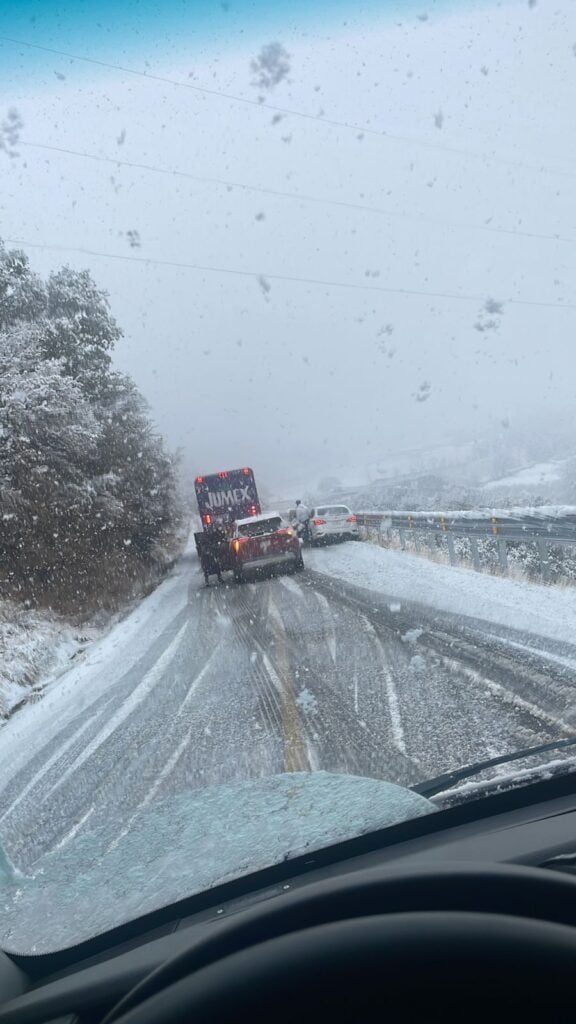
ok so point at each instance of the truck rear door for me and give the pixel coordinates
(228, 495)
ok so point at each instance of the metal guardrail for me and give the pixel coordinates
(540, 527)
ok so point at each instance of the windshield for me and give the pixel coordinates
(266, 265)
(259, 527)
(335, 510)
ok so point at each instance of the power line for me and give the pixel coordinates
(264, 276)
(290, 111)
(299, 197)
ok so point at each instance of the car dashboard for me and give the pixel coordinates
(534, 827)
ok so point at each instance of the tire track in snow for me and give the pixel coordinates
(510, 697)
(162, 777)
(536, 680)
(291, 585)
(330, 702)
(246, 609)
(271, 671)
(42, 775)
(154, 676)
(264, 686)
(448, 720)
(74, 830)
(330, 631)
(391, 694)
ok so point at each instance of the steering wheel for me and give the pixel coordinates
(437, 944)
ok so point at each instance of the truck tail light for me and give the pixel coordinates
(247, 472)
(199, 479)
(236, 545)
(253, 510)
(319, 522)
(207, 519)
(352, 519)
(222, 476)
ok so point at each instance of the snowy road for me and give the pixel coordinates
(204, 686)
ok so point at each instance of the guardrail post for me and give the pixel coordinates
(414, 535)
(402, 540)
(502, 554)
(451, 548)
(475, 553)
(543, 558)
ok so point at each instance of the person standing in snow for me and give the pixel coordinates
(211, 553)
(303, 520)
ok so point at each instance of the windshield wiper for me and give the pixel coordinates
(437, 785)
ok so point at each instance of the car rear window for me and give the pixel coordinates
(260, 527)
(334, 510)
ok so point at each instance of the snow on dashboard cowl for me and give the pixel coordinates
(188, 844)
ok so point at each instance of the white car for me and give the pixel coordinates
(336, 522)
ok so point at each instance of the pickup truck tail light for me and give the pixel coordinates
(352, 519)
(319, 522)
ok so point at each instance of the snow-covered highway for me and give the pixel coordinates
(208, 685)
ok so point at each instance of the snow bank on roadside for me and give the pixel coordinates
(515, 512)
(96, 670)
(35, 647)
(544, 611)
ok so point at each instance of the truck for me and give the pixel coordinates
(222, 498)
(225, 497)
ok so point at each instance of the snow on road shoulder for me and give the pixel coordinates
(35, 646)
(544, 611)
(97, 669)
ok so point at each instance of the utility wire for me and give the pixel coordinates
(299, 197)
(289, 111)
(264, 277)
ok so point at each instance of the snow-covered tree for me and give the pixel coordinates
(88, 494)
(22, 294)
(79, 328)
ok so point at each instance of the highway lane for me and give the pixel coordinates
(285, 674)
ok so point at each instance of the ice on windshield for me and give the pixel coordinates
(262, 271)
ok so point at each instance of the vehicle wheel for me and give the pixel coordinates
(299, 564)
(238, 576)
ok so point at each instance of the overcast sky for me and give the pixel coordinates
(455, 151)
